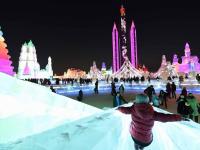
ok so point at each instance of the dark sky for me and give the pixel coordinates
(76, 32)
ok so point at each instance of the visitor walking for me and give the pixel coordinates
(149, 91)
(184, 92)
(155, 100)
(163, 97)
(173, 90)
(96, 90)
(194, 105)
(118, 100)
(143, 117)
(121, 90)
(168, 90)
(113, 89)
(80, 95)
(183, 107)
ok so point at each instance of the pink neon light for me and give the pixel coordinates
(134, 59)
(115, 42)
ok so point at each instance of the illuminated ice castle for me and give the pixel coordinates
(122, 67)
(28, 65)
(189, 63)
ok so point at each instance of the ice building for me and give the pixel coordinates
(189, 63)
(29, 66)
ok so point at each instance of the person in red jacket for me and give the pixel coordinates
(143, 117)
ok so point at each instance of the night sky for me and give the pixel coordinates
(76, 32)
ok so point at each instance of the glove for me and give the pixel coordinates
(185, 119)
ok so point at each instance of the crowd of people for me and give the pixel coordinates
(187, 104)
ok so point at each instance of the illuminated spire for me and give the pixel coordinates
(187, 50)
(30, 43)
(115, 43)
(133, 38)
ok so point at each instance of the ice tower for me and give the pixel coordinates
(189, 63)
(28, 65)
(115, 42)
(127, 69)
(133, 39)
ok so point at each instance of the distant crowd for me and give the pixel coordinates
(187, 104)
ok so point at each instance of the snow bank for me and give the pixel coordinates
(27, 108)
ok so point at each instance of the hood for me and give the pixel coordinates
(144, 111)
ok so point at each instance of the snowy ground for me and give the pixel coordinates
(34, 118)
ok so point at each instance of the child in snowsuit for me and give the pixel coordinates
(143, 117)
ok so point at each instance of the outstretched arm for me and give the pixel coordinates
(166, 117)
(125, 110)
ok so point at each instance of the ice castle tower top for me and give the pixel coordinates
(187, 50)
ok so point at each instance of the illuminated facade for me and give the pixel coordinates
(74, 74)
(115, 43)
(29, 67)
(120, 52)
(166, 70)
(94, 72)
(133, 37)
(189, 63)
(5, 62)
(127, 69)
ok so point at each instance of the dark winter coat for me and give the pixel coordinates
(173, 87)
(184, 92)
(143, 117)
(183, 107)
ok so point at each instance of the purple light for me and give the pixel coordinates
(189, 63)
(134, 59)
(115, 42)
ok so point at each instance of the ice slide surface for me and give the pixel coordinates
(107, 130)
(27, 108)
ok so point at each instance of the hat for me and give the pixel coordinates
(141, 98)
(190, 94)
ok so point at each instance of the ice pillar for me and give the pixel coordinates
(134, 57)
(115, 43)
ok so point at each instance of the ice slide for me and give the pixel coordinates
(27, 108)
(81, 127)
